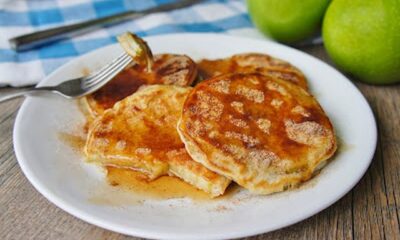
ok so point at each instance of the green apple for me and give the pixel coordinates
(287, 20)
(363, 38)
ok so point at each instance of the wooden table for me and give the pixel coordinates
(370, 211)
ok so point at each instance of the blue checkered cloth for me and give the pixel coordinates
(23, 16)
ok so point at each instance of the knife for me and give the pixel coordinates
(40, 38)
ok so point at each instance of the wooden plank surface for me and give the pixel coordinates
(370, 211)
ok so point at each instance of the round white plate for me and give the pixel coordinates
(60, 174)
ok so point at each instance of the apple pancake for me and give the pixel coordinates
(139, 132)
(264, 133)
(172, 69)
(252, 62)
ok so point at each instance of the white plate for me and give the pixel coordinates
(61, 176)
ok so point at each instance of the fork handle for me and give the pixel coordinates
(24, 91)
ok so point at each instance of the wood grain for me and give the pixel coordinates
(370, 211)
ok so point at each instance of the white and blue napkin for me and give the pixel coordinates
(24, 16)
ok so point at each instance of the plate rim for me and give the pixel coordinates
(73, 210)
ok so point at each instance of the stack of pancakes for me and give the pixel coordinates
(249, 119)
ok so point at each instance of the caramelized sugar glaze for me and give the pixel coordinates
(252, 62)
(164, 187)
(168, 69)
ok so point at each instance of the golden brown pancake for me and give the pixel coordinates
(252, 62)
(169, 69)
(264, 133)
(139, 132)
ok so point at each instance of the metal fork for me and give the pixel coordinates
(81, 86)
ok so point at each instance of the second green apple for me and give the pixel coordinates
(287, 20)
